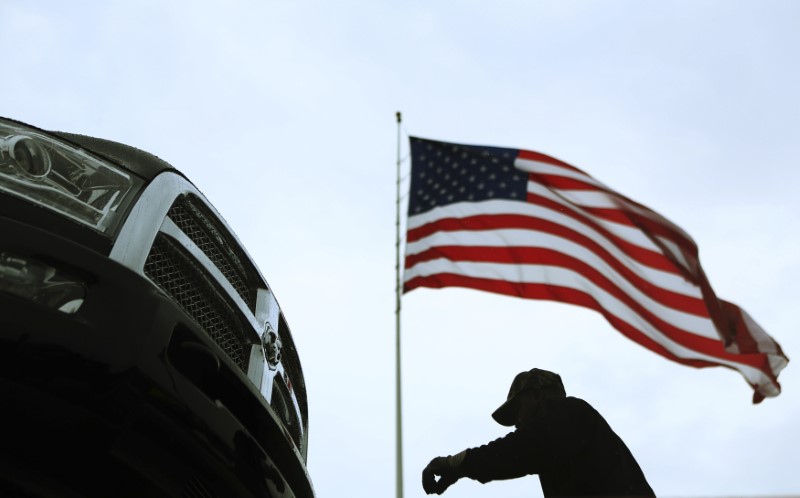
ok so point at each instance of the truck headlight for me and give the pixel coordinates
(63, 178)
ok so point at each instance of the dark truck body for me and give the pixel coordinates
(142, 353)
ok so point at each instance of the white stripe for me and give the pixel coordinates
(588, 198)
(676, 253)
(567, 278)
(765, 343)
(522, 238)
(664, 279)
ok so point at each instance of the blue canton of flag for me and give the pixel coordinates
(445, 173)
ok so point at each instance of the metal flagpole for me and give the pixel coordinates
(398, 398)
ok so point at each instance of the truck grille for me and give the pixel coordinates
(169, 267)
(215, 242)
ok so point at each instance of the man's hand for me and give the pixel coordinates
(447, 468)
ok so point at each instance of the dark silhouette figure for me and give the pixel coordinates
(562, 439)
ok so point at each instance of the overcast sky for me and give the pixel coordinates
(282, 113)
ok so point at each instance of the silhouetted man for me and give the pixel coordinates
(562, 439)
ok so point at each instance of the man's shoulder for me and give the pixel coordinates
(571, 407)
(570, 401)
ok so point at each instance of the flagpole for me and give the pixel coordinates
(398, 397)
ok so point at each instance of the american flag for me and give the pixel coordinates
(525, 224)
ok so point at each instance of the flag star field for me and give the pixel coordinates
(447, 173)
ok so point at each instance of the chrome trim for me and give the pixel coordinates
(141, 226)
(266, 309)
(255, 367)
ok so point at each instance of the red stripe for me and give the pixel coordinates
(549, 257)
(573, 296)
(609, 214)
(561, 182)
(641, 255)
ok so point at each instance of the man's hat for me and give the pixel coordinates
(532, 380)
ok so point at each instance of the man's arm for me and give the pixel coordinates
(514, 455)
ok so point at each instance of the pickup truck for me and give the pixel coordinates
(142, 352)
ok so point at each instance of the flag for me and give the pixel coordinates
(522, 223)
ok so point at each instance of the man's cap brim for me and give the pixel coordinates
(506, 414)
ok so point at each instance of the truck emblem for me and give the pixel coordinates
(272, 347)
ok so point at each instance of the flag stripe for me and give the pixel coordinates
(557, 182)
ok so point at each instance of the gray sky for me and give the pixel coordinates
(282, 113)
